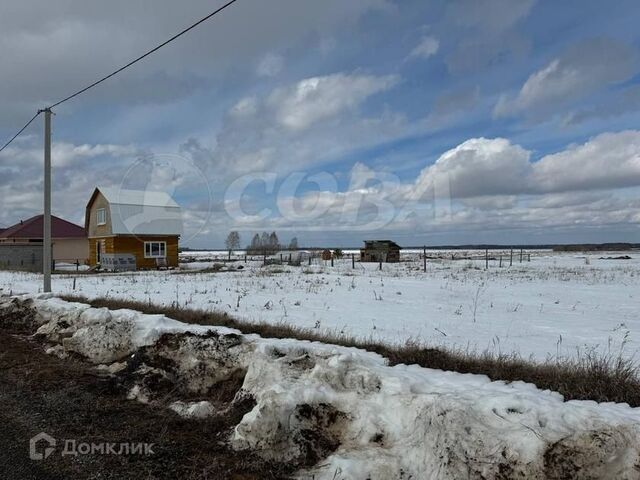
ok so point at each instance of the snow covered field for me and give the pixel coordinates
(384, 422)
(555, 305)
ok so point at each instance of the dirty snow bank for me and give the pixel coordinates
(345, 410)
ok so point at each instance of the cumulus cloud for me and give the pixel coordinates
(609, 160)
(491, 183)
(484, 166)
(479, 166)
(427, 47)
(581, 70)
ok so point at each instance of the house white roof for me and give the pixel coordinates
(138, 197)
(143, 212)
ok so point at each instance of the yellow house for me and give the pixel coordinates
(138, 224)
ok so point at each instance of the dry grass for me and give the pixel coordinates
(603, 378)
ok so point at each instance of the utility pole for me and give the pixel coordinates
(46, 252)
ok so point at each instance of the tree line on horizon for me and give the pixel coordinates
(261, 244)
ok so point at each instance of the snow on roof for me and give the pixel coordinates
(143, 212)
(137, 197)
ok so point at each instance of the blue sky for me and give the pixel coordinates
(437, 122)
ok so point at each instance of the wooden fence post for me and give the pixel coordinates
(500, 260)
(511, 258)
(486, 259)
(380, 264)
(424, 258)
(521, 255)
(353, 260)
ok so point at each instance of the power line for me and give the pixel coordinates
(144, 55)
(20, 131)
(88, 87)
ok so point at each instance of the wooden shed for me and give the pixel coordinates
(126, 224)
(380, 251)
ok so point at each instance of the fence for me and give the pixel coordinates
(26, 258)
(487, 258)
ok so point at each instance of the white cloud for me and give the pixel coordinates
(493, 183)
(483, 166)
(580, 71)
(427, 47)
(306, 123)
(479, 166)
(609, 160)
(313, 99)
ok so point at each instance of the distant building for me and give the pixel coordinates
(292, 255)
(133, 224)
(380, 251)
(69, 240)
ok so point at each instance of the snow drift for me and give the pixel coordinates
(343, 413)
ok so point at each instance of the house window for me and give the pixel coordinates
(101, 214)
(155, 249)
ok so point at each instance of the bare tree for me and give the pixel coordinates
(233, 241)
(256, 244)
(293, 244)
(274, 242)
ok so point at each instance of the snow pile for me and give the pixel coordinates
(342, 413)
(202, 409)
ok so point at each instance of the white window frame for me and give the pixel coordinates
(101, 212)
(162, 250)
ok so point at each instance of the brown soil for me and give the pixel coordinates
(68, 399)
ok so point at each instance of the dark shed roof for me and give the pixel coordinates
(33, 227)
(380, 244)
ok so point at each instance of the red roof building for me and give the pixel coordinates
(69, 240)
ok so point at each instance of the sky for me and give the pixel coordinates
(423, 121)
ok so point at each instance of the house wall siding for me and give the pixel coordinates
(135, 245)
(71, 250)
(95, 230)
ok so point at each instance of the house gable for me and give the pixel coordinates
(97, 202)
(133, 212)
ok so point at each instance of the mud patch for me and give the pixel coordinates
(593, 455)
(18, 316)
(318, 432)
